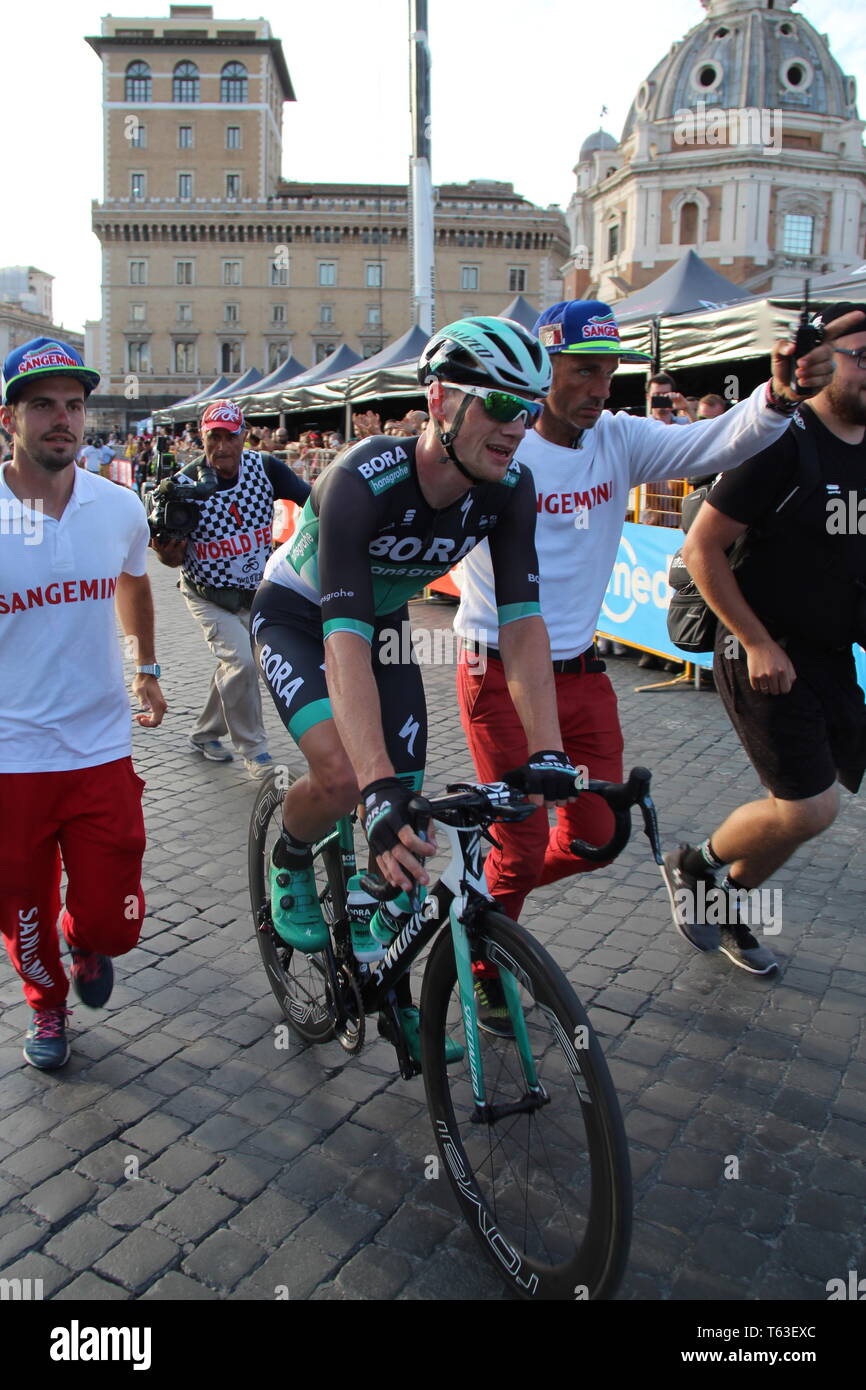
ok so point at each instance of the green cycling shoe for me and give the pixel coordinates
(295, 909)
(411, 1020)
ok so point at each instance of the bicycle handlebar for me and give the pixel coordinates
(482, 804)
(620, 797)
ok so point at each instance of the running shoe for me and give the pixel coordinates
(212, 749)
(260, 766)
(45, 1044)
(92, 977)
(740, 946)
(689, 896)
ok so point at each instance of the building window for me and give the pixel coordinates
(613, 241)
(370, 349)
(469, 277)
(136, 86)
(516, 279)
(138, 136)
(138, 356)
(184, 357)
(137, 187)
(230, 357)
(797, 235)
(138, 272)
(324, 350)
(233, 83)
(374, 314)
(184, 187)
(184, 85)
(278, 313)
(183, 272)
(233, 137)
(327, 273)
(184, 313)
(232, 313)
(233, 185)
(137, 313)
(689, 224)
(374, 276)
(184, 137)
(279, 273)
(278, 353)
(326, 313)
(231, 272)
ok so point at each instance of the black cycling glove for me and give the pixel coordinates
(547, 774)
(386, 803)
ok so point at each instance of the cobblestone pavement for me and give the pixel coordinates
(181, 1155)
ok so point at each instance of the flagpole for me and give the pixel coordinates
(421, 187)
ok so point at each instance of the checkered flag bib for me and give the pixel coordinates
(231, 544)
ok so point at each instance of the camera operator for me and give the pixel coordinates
(222, 556)
(787, 619)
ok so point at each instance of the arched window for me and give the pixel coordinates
(688, 224)
(184, 86)
(137, 83)
(233, 83)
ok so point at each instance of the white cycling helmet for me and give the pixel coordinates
(487, 352)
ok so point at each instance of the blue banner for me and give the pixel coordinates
(637, 598)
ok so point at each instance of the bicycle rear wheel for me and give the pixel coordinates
(298, 981)
(545, 1189)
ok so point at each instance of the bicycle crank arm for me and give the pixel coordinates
(489, 1114)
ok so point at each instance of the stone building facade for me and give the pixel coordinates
(743, 143)
(213, 263)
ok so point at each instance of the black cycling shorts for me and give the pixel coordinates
(287, 642)
(799, 743)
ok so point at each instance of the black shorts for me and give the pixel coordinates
(286, 637)
(799, 743)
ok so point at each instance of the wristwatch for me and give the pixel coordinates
(153, 670)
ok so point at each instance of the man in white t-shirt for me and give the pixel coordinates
(584, 461)
(73, 546)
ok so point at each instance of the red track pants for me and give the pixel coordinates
(92, 818)
(535, 852)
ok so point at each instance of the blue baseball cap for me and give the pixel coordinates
(583, 325)
(44, 357)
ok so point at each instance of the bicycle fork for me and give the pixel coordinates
(472, 882)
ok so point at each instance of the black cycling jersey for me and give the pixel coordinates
(368, 539)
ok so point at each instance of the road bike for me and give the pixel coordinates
(527, 1124)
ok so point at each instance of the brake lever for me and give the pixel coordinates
(651, 826)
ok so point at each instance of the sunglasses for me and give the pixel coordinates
(859, 355)
(501, 405)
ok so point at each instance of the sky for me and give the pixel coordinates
(516, 88)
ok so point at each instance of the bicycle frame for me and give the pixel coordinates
(457, 897)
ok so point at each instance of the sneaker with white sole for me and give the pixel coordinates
(212, 749)
(687, 911)
(260, 766)
(738, 944)
(45, 1043)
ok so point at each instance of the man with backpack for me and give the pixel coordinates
(790, 600)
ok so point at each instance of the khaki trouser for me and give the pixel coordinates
(234, 704)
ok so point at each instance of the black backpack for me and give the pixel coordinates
(691, 622)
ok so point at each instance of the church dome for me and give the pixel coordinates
(747, 53)
(599, 140)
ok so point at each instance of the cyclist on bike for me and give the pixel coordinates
(384, 520)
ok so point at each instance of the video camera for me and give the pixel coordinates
(172, 507)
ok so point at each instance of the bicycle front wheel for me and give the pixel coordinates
(298, 981)
(544, 1182)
